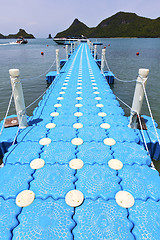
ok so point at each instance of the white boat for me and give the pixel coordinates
(68, 41)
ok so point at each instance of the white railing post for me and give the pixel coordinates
(18, 98)
(138, 97)
(88, 42)
(95, 51)
(66, 52)
(74, 46)
(57, 61)
(71, 47)
(102, 59)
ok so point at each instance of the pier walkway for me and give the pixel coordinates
(80, 118)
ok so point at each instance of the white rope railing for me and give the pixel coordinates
(145, 143)
(140, 122)
(43, 74)
(10, 101)
(149, 108)
(125, 81)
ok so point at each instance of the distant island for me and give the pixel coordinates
(21, 32)
(122, 24)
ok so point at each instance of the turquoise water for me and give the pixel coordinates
(121, 57)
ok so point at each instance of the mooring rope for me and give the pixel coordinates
(41, 75)
(139, 122)
(149, 108)
(134, 80)
(10, 101)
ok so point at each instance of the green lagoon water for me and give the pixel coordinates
(121, 57)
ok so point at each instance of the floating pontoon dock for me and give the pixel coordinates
(79, 118)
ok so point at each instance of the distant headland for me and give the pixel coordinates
(21, 32)
(122, 24)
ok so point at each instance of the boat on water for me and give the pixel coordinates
(69, 40)
(21, 40)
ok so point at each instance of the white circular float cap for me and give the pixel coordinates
(109, 141)
(124, 199)
(54, 114)
(57, 105)
(78, 105)
(78, 125)
(105, 125)
(115, 164)
(14, 72)
(45, 141)
(37, 163)
(102, 114)
(79, 98)
(97, 98)
(99, 105)
(76, 163)
(143, 72)
(78, 114)
(74, 198)
(25, 198)
(60, 98)
(77, 141)
(51, 125)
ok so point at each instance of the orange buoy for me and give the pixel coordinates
(137, 53)
(42, 53)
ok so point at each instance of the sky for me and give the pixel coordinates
(41, 17)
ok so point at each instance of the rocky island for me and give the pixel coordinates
(21, 32)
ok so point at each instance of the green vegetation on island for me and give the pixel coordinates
(122, 24)
(21, 32)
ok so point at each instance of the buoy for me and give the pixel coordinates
(104, 47)
(42, 53)
(108, 45)
(137, 53)
(47, 45)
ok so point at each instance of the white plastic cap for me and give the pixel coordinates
(143, 72)
(14, 72)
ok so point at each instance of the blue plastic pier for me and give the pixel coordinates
(99, 217)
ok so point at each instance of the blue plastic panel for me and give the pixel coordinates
(23, 152)
(94, 152)
(8, 212)
(45, 220)
(53, 180)
(14, 179)
(146, 219)
(102, 220)
(98, 181)
(130, 153)
(141, 181)
(58, 152)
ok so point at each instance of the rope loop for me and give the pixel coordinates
(10, 101)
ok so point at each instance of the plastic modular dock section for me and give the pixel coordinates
(92, 179)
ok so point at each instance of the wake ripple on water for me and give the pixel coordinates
(10, 43)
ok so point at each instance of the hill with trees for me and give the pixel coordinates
(122, 24)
